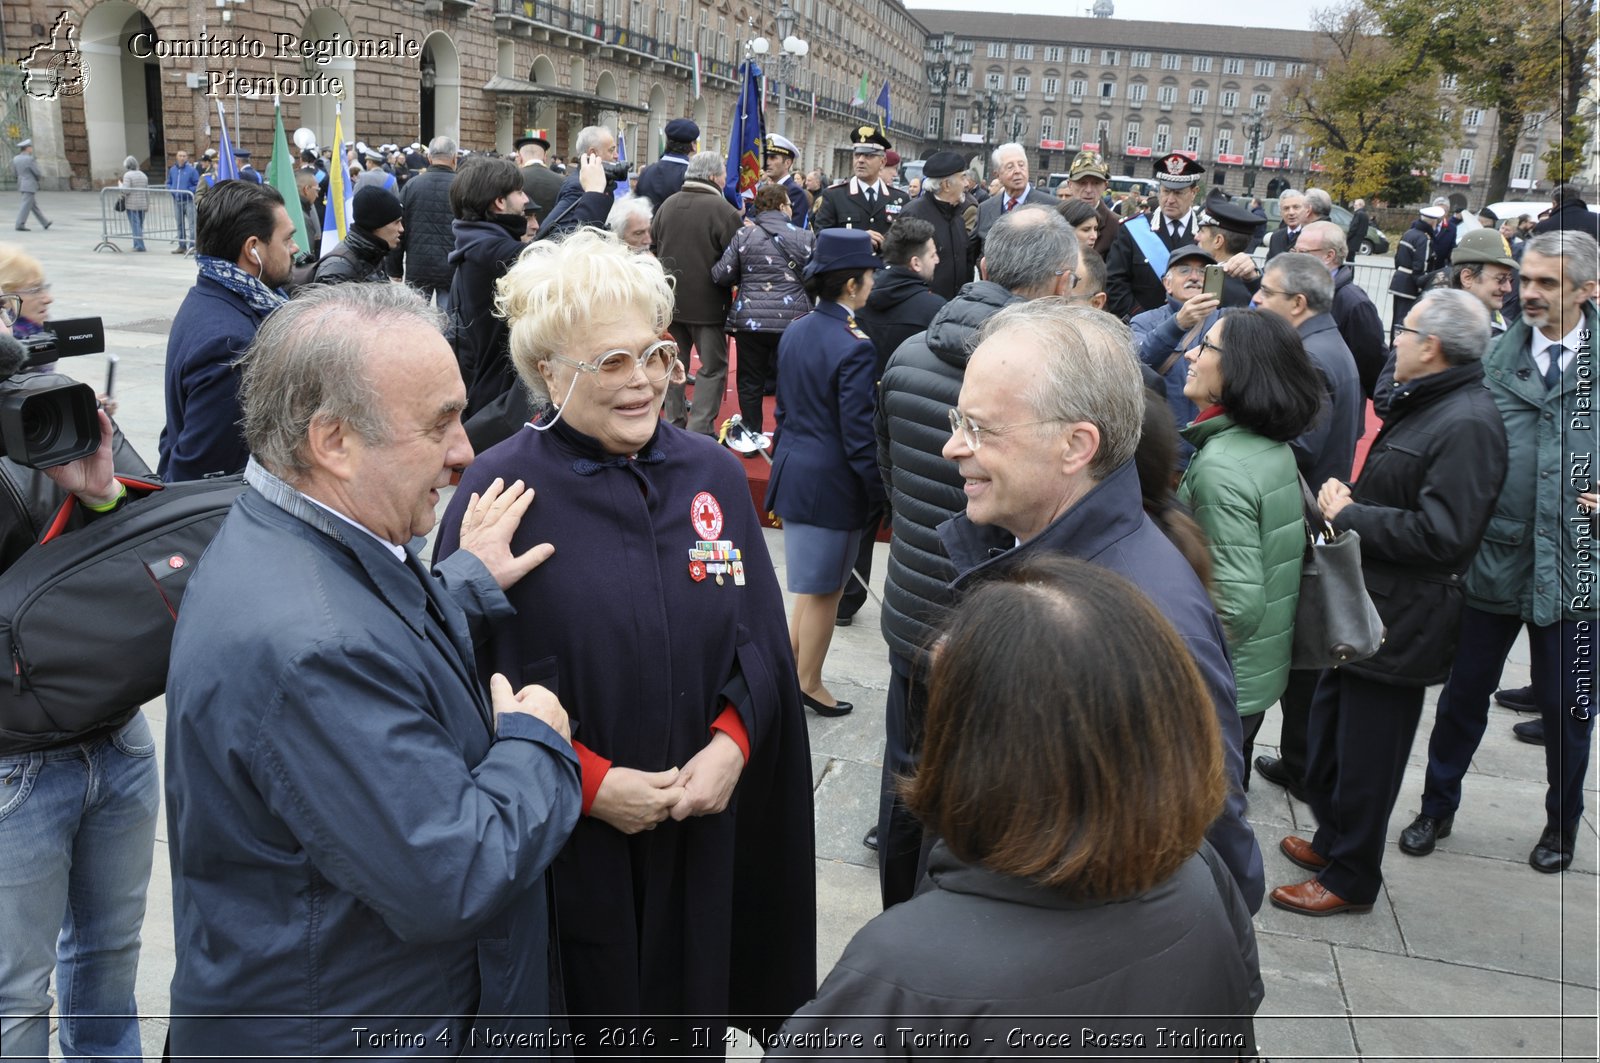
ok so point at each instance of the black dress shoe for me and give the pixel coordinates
(23, 229)
(47, 225)
(871, 840)
(1518, 699)
(1272, 770)
(837, 709)
(1424, 833)
(1529, 731)
(844, 621)
(1553, 854)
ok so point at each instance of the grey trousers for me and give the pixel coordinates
(30, 207)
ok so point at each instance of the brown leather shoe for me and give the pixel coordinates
(1299, 852)
(1310, 898)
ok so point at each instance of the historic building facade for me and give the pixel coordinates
(1138, 90)
(144, 77)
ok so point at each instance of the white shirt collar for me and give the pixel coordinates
(856, 187)
(1541, 344)
(398, 551)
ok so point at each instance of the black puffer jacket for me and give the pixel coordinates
(360, 256)
(765, 260)
(921, 383)
(899, 307)
(1424, 498)
(428, 238)
(484, 250)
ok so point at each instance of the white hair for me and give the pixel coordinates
(1006, 149)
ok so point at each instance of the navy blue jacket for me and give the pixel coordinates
(349, 834)
(211, 330)
(575, 207)
(1327, 449)
(826, 469)
(662, 178)
(1108, 527)
(483, 251)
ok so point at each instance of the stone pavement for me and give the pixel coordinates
(1469, 954)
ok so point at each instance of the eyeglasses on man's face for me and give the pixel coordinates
(973, 434)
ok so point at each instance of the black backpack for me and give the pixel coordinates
(87, 615)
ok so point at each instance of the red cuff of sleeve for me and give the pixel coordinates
(731, 725)
(592, 768)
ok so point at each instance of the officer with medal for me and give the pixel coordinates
(865, 201)
(1138, 258)
(782, 156)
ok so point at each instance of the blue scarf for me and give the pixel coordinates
(262, 299)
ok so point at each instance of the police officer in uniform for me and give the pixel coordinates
(1138, 258)
(1225, 230)
(782, 156)
(664, 177)
(865, 201)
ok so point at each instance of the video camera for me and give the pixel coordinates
(44, 423)
(617, 171)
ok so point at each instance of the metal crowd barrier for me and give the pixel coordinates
(169, 218)
(1372, 277)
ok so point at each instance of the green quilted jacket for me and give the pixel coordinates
(1245, 493)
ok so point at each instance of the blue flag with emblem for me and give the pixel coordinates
(227, 166)
(744, 146)
(886, 117)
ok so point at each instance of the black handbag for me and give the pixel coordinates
(120, 204)
(1335, 621)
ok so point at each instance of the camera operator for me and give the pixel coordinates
(22, 277)
(80, 816)
(588, 195)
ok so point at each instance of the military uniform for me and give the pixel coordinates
(1132, 283)
(852, 205)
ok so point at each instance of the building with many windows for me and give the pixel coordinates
(1138, 90)
(144, 77)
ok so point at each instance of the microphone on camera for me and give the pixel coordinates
(13, 356)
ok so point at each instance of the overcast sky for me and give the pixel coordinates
(1293, 14)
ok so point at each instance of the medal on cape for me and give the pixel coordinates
(716, 557)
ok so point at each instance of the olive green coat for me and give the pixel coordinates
(1537, 558)
(1245, 493)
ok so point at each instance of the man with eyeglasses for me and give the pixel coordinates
(1051, 467)
(1353, 312)
(1159, 335)
(1031, 253)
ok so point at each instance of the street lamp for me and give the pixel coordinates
(791, 50)
(989, 107)
(1254, 123)
(1019, 122)
(936, 55)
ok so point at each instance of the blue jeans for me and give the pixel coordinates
(136, 220)
(77, 833)
(181, 210)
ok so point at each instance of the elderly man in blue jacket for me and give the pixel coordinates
(359, 832)
(1051, 468)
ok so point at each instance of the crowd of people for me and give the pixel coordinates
(550, 790)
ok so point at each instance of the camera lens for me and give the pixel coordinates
(41, 425)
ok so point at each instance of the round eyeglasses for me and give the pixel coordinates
(613, 369)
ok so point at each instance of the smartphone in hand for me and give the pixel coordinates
(1213, 282)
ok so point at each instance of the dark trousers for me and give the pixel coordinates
(1250, 726)
(1296, 706)
(899, 833)
(855, 592)
(1360, 736)
(1559, 652)
(757, 353)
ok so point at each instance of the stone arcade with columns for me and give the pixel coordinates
(477, 70)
